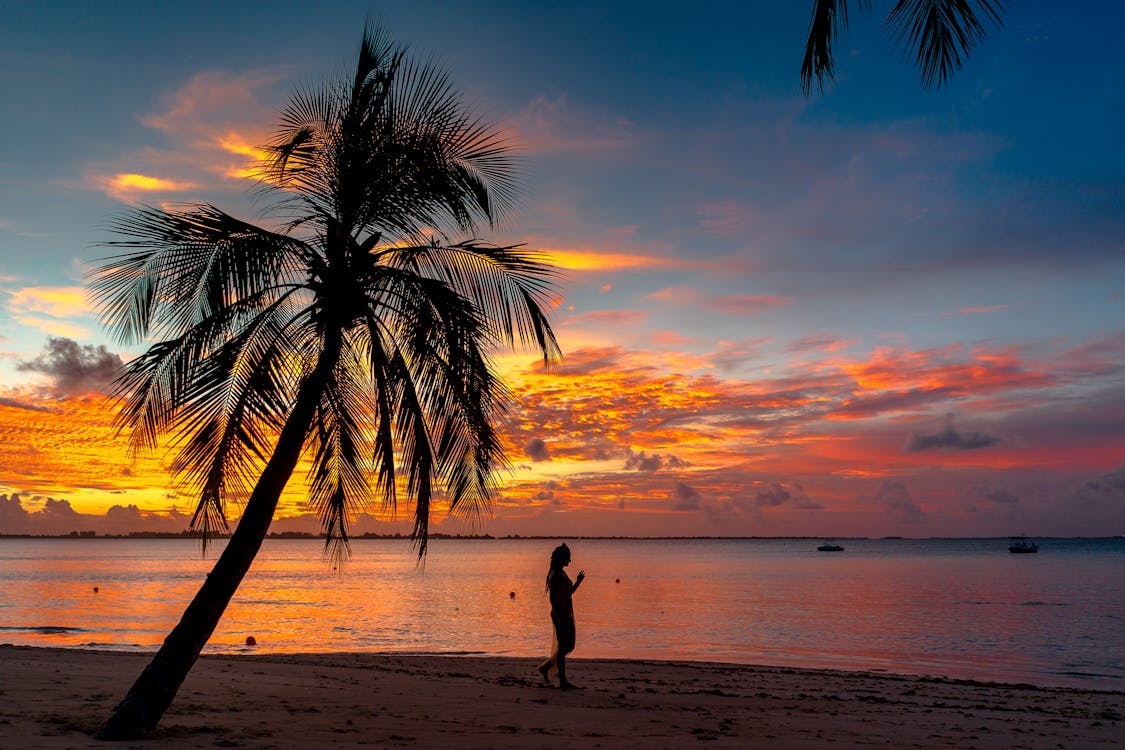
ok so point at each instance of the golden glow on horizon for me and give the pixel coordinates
(607, 431)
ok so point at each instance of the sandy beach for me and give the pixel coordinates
(56, 698)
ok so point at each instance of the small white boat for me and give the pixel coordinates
(830, 547)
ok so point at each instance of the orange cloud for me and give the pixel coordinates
(214, 116)
(945, 370)
(52, 326)
(593, 260)
(130, 182)
(254, 156)
(56, 301)
(127, 185)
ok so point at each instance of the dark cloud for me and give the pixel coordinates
(1000, 497)
(57, 517)
(24, 405)
(649, 463)
(684, 497)
(124, 514)
(778, 494)
(537, 450)
(14, 519)
(1111, 482)
(896, 499)
(950, 439)
(75, 369)
(775, 496)
(59, 509)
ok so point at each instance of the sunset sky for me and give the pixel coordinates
(877, 311)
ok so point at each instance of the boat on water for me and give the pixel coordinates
(1022, 546)
(830, 547)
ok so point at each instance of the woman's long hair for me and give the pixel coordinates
(559, 557)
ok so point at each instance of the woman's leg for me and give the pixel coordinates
(546, 667)
(565, 632)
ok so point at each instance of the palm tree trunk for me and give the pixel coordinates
(154, 690)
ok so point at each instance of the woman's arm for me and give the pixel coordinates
(578, 580)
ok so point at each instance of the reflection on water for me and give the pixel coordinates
(961, 608)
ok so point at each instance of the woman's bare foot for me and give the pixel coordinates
(546, 672)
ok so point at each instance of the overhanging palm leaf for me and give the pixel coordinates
(937, 35)
(359, 334)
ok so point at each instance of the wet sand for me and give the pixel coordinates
(57, 698)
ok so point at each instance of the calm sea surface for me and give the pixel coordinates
(957, 608)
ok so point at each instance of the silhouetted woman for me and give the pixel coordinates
(560, 589)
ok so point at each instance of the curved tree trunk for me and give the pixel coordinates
(154, 690)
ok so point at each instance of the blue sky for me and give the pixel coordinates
(716, 227)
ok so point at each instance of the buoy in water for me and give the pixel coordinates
(251, 640)
(95, 589)
(511, 594)
(618, 581)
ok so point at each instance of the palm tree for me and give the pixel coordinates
(358, 333)
(937, 34)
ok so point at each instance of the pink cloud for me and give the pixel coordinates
(214, 123)
(749, 304)
(611, 318)
(730, 218)
(555, 126)
(824, 342)
(981, 310)
(214, 101)
(735, 304)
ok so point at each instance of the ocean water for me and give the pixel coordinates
(953, 608)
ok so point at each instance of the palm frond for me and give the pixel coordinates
(511, 286)
(186, 266)
(417, 453)
(828, 21)
(385, 396)
(939, 34)
(228, 428)
(338, 486)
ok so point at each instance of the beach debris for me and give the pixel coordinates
(251, 640)
(511, 594)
